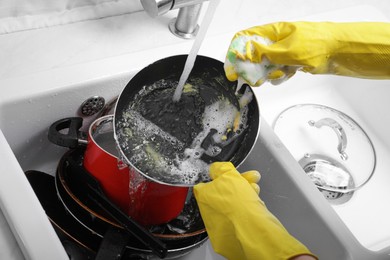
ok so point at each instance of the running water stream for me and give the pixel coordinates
(195, 48)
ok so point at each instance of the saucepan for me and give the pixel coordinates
(147, 202)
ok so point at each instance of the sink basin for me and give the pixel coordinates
(342, 232)
(366, 214)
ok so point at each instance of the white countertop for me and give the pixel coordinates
(32, 51)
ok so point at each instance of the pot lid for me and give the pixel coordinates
(331, 147)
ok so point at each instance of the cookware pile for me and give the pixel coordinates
(89, 231)
(105, 202)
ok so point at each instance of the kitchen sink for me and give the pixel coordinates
(357, 229)
(365, 213)
(286, 190)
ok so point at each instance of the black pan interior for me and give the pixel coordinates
(209, 71)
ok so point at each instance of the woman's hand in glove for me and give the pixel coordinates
(237, 221)
(274, 52)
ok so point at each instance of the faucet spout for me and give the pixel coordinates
(186, 24)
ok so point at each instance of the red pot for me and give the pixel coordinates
(145, 201)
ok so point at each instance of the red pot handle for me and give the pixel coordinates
(71, 138)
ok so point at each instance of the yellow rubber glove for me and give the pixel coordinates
(274, 52)
(239, 225)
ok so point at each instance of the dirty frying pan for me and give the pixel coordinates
(166, 130)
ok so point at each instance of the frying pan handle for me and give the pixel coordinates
(338, 129)
(71, 138)
(96, 194)
(113, 244)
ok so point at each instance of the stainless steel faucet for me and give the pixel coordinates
(186, 24)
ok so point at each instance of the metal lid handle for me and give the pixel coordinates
(338, 129)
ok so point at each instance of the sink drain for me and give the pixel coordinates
(332, 179)
(92, 105)
(338, 167)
